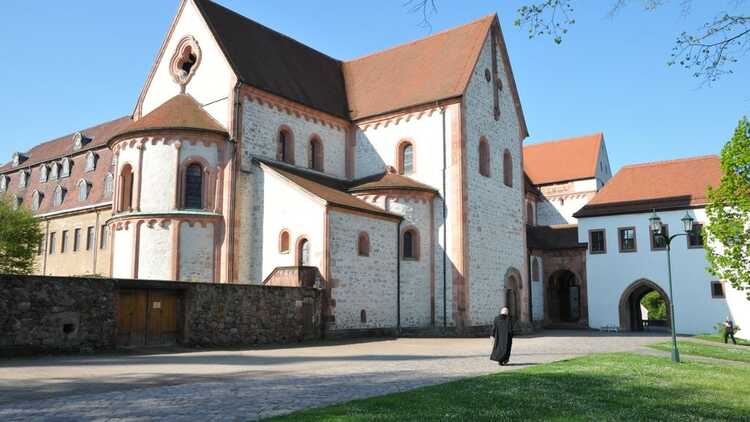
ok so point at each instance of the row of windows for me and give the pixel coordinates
(627, 239)
(76, 246)
(484, 162)
(193, 185)
(285, 150)
(58, 196)
(409, 245)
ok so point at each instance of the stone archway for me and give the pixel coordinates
(562, 296)
(631, 317)
(512, 293)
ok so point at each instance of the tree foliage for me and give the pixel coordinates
(728, 212)
(20, 235)
(655, 305)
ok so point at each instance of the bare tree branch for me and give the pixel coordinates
(426, 8)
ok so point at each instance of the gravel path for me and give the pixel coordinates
(257, 383)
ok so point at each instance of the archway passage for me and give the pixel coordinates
(563, 296)
(644, 306)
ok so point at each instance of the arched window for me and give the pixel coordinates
(108, 185)
(23, 179)
(126, 188)
(410, 244)
(43, 173)
(363, 244)
(54, 171)
(484, 157)
(285, 146)
(59, 196)
(194, 187)
(83, 190)
(90, 161)
(316, 154)
(284, 242)
(303, 253)
(36, 200)
(405, 158)
(535, 269)
(507, 169)
(65, 170)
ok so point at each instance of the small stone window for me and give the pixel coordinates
(65, 167)
(484, 157)
(507, 169)
(487, 75)
(316, 154)
(185, 61)
(410, 244)
(405, 158)
(363, 244)
(91, 161)
(717, 290)
(59, 196)
(104, 239)
(126, 188)
(194, 187)
(285, 146)
(284, 242)
(90, 234)
(36, 200)
(363, 316)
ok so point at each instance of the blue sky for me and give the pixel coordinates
(71, 65)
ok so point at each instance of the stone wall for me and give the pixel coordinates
(56, 314)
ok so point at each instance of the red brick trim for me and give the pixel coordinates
(289, 144)
(400, 146)
(282, 248)
(416, 247)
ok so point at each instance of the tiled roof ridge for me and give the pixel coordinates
(265, 27)
(418, 40)
(599, 135)
(672, 161)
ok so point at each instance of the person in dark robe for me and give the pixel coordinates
(502, 332)
(729, 330)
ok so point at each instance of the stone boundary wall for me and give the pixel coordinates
(67, 314)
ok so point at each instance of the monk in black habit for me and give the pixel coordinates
(502, 331)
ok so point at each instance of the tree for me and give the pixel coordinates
(709, 52)
(20, 236)
(728, 213)
(655, 305)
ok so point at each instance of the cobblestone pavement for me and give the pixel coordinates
(257, 383)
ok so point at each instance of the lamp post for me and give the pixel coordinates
(657, 227)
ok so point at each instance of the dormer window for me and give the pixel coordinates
(65, 170)
(23, 179)
(43, 173)
(108, 185)
(79, 141)
(59, 196)
(90, 162)
(54, 171)
(83, 190)
(185, 61)
(17, 201)
(18, 159)
(36, 200)
(3, 183)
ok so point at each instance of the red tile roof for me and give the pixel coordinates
(433, 68)
(390, 181)
(180, 112)
(662, 185)
(563, 160)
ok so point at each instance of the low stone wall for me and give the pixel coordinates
(64, 314)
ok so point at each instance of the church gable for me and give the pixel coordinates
(190, 61)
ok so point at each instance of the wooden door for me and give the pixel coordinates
(163, 313)
(131, 318)
(148, 317)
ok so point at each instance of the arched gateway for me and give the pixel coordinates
(563, 297)
(631, 313)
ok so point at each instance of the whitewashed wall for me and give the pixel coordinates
(739, 310)
(213, 81)
(608, 275)
(196, 252)
(155, 252)
(537, 291)
(363, 283)
(158, 177)
(495, 211)
(261, 124)
(562, 200)
(122, 264)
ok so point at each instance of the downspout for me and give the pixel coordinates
(398, 277)
(46, 247)
(445, 225)
(96, 231)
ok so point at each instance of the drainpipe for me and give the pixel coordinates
(398, 278)
(445, 225)
(46, 247)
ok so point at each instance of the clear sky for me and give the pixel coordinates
(68, 65)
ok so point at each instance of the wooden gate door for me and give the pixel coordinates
(148, 317)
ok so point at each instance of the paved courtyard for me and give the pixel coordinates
(253, 384)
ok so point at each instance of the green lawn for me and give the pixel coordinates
(710, 351)
(611, 387)
(720, 339)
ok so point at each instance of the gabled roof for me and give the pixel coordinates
(275, 63)
(63, 146)
(427, 70)
(325, 188)
(389, 181)
(563, 160)
(181, 112)
(660, 185)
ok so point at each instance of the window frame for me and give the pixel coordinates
(507, 168)
(64, 241)
(285, 155)
(90, 237)
(415, 244)
(721, 286)
(76, 239)
(700, 234)
(653, 238)
(620, 231)
(591, 242)
(51, 243)
(401, 157)
(363, 249)
(281, 242)
(484, 156)
(201, 194)
(104, 237)
(316, 154)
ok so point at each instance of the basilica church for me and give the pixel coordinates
(397, 182)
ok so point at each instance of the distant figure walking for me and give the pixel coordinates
(729, 330)
(502, 332)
